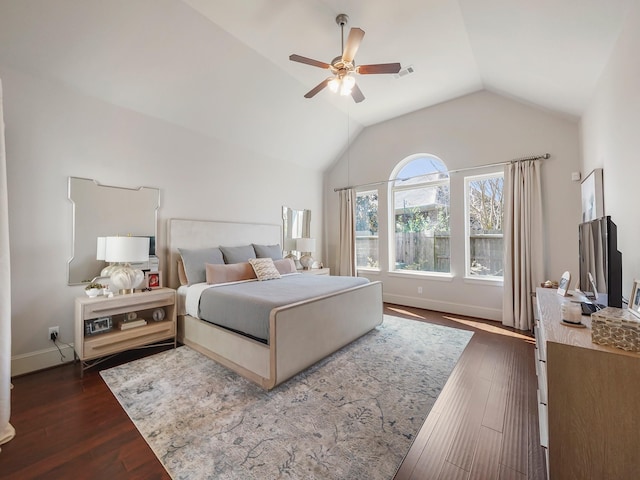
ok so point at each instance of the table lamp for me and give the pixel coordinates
(100, 254)
(307, 246)
(290, 246)
(123, 251)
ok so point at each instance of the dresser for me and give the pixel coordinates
(588, 399)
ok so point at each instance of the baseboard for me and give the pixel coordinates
(40, 359)
(447, 307)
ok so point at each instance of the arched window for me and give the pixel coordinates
(419, 198)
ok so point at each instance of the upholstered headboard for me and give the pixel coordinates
(183, 233)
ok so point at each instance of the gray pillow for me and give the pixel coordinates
(194, 262)
(273, 252)
(238, 254)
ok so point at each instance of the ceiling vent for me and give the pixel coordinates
(404, 72)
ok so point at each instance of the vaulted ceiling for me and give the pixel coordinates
(221, 67)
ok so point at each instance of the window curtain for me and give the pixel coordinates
(6, 430)
(347, 246)
(523, 242)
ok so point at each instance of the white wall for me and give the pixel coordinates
(610, 137)
(53, 132)
(477, 129)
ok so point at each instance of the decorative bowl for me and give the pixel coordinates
(93, 292)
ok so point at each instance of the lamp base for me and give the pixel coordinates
(108, 270)
(125, 279)
(295, 260)
(306, 261)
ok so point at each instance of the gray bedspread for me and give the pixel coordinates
(245, 307)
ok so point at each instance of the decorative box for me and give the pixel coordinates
(616, 327)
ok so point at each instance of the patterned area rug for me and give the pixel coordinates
(353, 415)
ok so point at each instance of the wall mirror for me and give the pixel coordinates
(104, 210)
(295, 224)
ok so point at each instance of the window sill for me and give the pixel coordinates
(492, 281)
(368, 271)
(440, 277)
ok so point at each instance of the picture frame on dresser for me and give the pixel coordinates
(153, 280)
(563, 285)
(634, 299)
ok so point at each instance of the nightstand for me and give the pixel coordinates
(98, 333)
(316, 271)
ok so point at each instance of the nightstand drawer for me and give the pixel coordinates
(119, 340)
(127, 303)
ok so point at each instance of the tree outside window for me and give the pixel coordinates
(485, 204)
(366, 213)
(421, 201)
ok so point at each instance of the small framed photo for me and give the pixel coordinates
(153, 280)
(563, 284)
(634, 299)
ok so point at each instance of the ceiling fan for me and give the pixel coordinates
(343, 67)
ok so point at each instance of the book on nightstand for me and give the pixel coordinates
(133, 324)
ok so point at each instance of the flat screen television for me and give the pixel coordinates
(599, 256)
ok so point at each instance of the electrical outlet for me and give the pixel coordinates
(52, 331)
(419, 290)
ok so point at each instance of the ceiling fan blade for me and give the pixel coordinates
(353, 42)
(317, 88)
(356, 93)
(308, 61)
(378, 68)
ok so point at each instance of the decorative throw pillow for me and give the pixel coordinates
(285, 265)
(238, 254)
(264, 268)
(195, 259)
(273, 252)
(233, 272)
(182, 275)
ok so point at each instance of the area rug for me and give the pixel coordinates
(353, 415)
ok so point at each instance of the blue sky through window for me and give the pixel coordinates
(424, 167)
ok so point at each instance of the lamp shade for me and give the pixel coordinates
(101, 248)
(126, 249)
(306, 244)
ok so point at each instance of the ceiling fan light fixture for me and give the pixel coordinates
(342, 84)
(334, 84)
(347, 85)
(343, 66)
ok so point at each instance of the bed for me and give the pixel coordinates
(299, 333)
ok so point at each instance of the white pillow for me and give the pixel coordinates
(264, 268)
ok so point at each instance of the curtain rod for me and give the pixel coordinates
(516, 160)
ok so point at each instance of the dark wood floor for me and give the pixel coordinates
(483, 425)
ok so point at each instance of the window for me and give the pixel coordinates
(484, 213)
(421, 215)
(367, 230)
